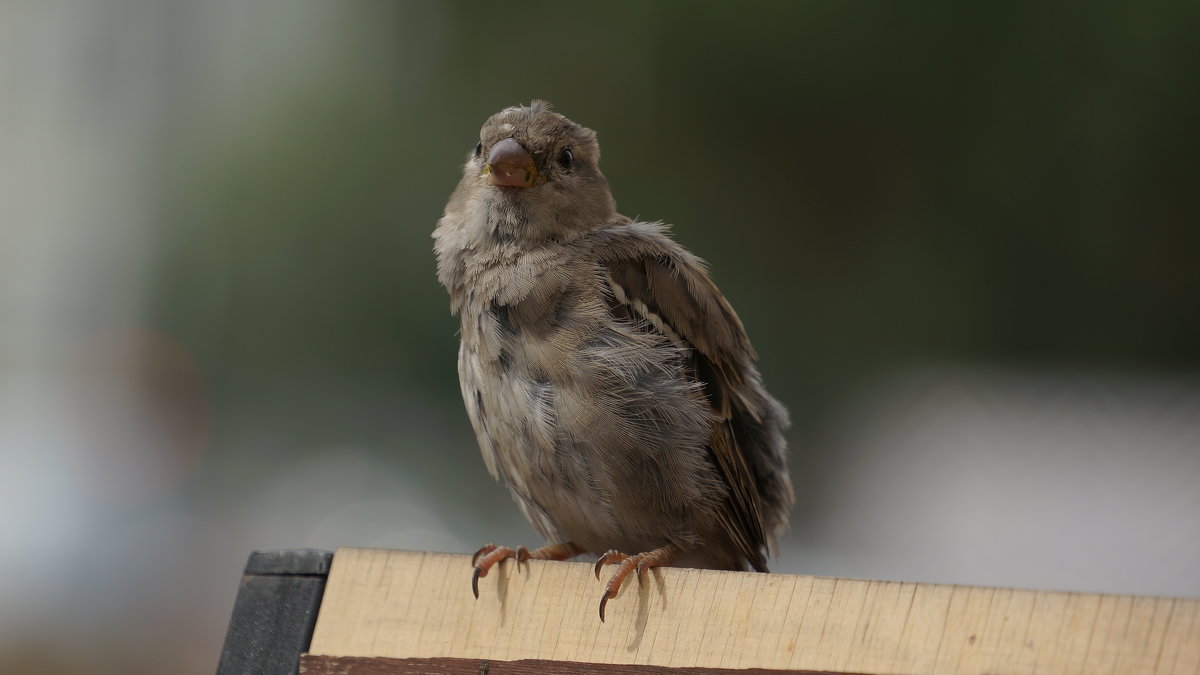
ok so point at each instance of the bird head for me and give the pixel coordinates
(537, 174)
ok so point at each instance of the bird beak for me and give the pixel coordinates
(510, 164)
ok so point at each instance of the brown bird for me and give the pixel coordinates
(609, 382)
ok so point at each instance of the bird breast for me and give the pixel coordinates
(572, 405)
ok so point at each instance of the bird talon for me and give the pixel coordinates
(484, 559)
(491, 555)
(483, 551)
(611, 556)
(644, 566)
(604, 598)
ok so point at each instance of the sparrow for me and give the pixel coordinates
(609, 383)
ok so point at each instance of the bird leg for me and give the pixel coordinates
(641, 562)
(489, 555)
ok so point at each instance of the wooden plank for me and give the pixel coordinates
(315, 664)
(401, 605)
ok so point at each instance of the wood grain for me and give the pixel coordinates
(314, 664)
(406, 605)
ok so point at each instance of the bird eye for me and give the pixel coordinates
(479, 148)
(565, 158)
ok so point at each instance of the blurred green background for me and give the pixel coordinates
(963, 238)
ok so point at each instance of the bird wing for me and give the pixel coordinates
(655, 278)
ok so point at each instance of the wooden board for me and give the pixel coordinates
(315, 664)
(405, 605)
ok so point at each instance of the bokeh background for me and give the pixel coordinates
(963, 238)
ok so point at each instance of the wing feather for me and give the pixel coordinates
(662, 282)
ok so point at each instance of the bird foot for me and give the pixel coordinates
(641, 562)
(487, 557)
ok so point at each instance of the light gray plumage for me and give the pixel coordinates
(609, 382)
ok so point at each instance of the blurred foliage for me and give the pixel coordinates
(875, 185)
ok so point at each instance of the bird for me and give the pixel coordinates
(609, 383)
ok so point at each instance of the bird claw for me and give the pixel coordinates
(611, 556)
(629, 563)
(485, 558)
(604, 601)
(483, 550)
(523, 554)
